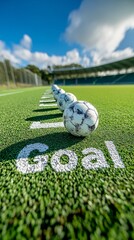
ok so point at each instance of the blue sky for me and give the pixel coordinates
(43, 20)
(48, 32)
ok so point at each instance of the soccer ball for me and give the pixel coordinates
(65, 99)
(80, 118)
(54, 87)
(57, 93)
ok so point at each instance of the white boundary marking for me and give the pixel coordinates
(46, 97)
(37, 125)
(47, 105)
(47, 101)
(5, 94)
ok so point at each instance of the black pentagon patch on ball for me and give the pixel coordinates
(71, 107)
(79, 111)
(77, 127)
(91, 127)
(66, 98)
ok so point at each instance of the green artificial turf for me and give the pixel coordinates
(80, 204)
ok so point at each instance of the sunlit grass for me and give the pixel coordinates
(80, 204)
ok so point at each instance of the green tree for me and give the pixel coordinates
(33, 69)
(46, 76)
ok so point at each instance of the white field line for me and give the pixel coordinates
(38, 125)
(5, 94)
(47, 101)
(46, 97)
(47, 105)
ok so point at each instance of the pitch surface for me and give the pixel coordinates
(67, 205)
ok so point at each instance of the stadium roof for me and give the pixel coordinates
(118, 66)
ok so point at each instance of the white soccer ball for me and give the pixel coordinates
(80, 118)
(57, 93)
(54, 87)
(65, 99)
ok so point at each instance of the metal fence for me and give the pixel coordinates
(11, 76)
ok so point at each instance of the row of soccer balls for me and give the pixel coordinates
(80, 118)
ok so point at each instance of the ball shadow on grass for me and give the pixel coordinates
(45, 109)
(44, 117)
(55, 142)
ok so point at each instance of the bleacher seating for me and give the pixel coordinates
(127, 78)
(59, 81)
(70, 81)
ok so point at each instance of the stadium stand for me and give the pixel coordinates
(75, 76)
(114, 79)
(70, 81)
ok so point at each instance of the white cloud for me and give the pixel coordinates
(2, 45)
(21, 54)
(85, 61)
(26, 42)
(6, 53)
(100, 26)
(43, 59)
(111, 57)
(73, 56)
